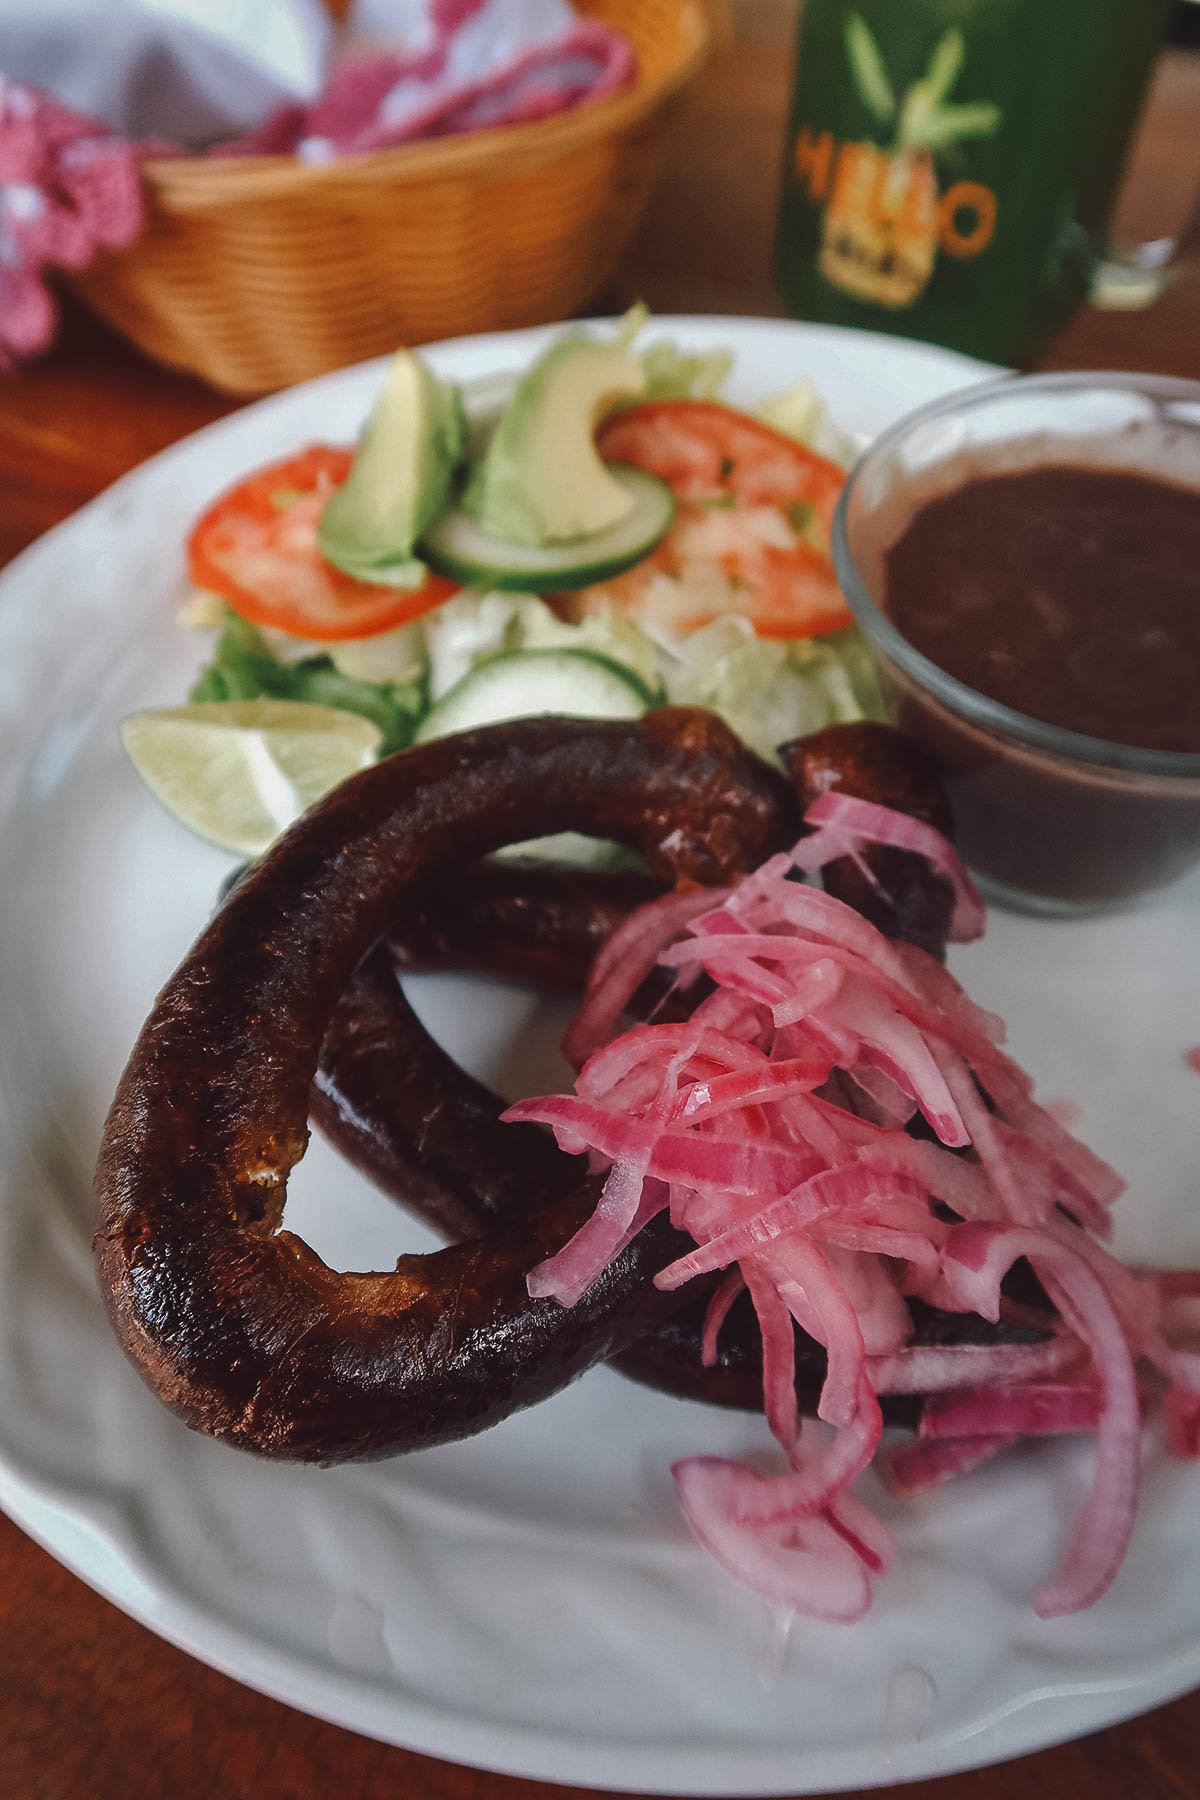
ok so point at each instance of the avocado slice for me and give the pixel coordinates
(541, 480)
(400, 479)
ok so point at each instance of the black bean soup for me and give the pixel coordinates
(1083, 611)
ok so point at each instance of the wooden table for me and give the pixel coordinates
(92, 1706)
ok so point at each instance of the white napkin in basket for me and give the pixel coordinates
(194, 71)
(188, 71)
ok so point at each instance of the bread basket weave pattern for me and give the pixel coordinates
(258, 272)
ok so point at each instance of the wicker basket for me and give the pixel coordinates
(259, 272)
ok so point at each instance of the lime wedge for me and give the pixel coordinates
(237, 772)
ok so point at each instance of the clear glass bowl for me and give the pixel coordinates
(1050, 820)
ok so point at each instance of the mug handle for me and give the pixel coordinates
(1131, 277)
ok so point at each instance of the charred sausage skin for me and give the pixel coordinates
(533, 921)
(415, 1123)
(236, 1323)
(905, 898)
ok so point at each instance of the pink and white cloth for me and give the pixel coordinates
(68, 188)
(237, 78)
(462, 65)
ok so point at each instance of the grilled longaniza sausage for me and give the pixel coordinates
(237, 1324)
(405, 1113)
(412, 1120)
(533, 921)
(907, 899)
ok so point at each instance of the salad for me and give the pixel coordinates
(602, 534)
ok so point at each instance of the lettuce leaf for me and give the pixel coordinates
(675, 374)
(243, 668)
(800, 412)
(672, 373)
(770, 691)
(850, 653)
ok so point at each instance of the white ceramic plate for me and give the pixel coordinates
(529, 1601)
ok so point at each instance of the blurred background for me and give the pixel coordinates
(242, 274)
(260, 199)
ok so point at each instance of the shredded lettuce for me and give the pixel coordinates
(631, 325)
(770, 691)
(396, 656)
(850, 653)
(767, 690)
(797, 411)
(462, 631)
(800, 412)
(472, 626)
(672, 373)
(243, 668)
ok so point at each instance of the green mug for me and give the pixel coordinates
(951, 164)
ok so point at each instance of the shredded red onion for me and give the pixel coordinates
(820, 1480)
(730, 1287)
(623, 964)
(1175, 1281)
(775, 1126)
(1183, 1422)
(567, 1276)
(977, 1259)
(928, 1370)
(805, 1566)
(866, 1534)
(865, 824)
(931, 1464)
(1017, 1412)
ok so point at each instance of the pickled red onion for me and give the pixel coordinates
(976, 1261)
(623, 964)
(866, 824)
(1017, 1412)
(742, 1123)
(930, 1463)
(806, 1566)
(731, 1286)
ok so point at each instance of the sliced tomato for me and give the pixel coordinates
(257, 547)
(751, 530)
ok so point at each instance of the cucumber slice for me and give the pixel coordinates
(523, 684)
(456, 546)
